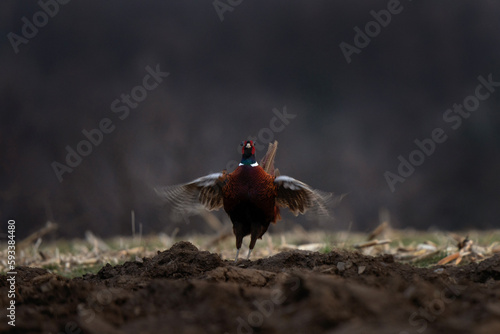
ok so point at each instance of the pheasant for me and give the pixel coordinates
(250, 195)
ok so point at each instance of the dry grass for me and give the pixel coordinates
(76, 257)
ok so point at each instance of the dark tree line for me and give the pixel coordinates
(352, 120)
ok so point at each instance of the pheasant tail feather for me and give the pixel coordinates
(267, 162)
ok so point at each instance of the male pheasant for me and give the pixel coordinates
(250, 195)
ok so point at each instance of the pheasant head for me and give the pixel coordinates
(248, 154)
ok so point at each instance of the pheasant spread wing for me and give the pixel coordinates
(205, 190)
(299, 197)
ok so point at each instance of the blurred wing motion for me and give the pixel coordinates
(205, 190)
(299, 197)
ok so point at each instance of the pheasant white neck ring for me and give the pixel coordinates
(255, 164)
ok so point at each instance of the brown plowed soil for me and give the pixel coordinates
(184, 290)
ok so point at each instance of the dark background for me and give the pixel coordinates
(226, 77)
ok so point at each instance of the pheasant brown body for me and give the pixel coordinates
(250, 195)
(250, 201)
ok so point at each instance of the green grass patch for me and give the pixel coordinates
(429, 261)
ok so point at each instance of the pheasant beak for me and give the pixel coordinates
(248, 145)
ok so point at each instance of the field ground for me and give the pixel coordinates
(388, 281)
